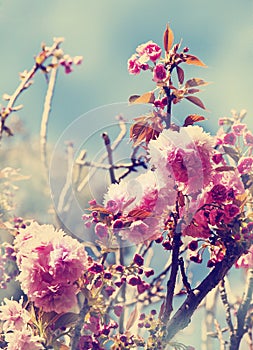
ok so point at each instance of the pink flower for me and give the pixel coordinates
(101, 230)
(246, 260)
(245, 165)
(134, 66)
(238, 129)
(50, 263)
(159, 73)
(150, 49)
(23, 339)
(13, 315)
(230, 138)
(248, 139)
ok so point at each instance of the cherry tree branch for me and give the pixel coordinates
(26, 82)
(182, 317)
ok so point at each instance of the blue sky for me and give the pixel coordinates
(106, 33)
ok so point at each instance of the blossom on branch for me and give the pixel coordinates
(50, 263)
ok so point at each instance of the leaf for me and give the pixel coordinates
(132, 318)
(193, 118)
(193, 91)
(168, 38)
(143, 131)
(180, 75)
(132, 98)
(148, 97)
(224, 168)
(231, 152)
(139, 214)
(66, 320)
(195, 82)
(191, 59)
(99, 209)
(196, 101)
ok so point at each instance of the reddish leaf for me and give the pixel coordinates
(99, 209)
(168, 38)
(193, 91)
(195, 82)
(190, 59)
(132, 318)
(196, 101)
(132, 98)
(180, 75)
(224, 168)
(139, 214)
(142, 130)
(148, 97)
(193, 118)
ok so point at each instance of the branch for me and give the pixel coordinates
(242, 313)
(182, 317)
(104, 156)
(46, 111)
(168, 308)
(68, 182)
(224, 299)
(40, 59)
(107, 142)
(79, 325)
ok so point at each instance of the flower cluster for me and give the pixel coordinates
(17, 333)
(50, 263)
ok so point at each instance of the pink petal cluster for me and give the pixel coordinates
(183, 157)
(13, 315)
(23, 339)
(50, 262)
(67, 62)
(134, 204)
(246, 260)
(159, 73)
(217, 205)
(144, 52)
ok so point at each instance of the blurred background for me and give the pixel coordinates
(106, 34)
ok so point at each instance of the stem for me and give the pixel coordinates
(115, 144)
(79, 325)
(107, 142)
(68, 182)
(224, 299)
(168, 308)
(168, 114)
(25, 81)
(242, 313)
(182, 317)
(46, 111)
(123, 294)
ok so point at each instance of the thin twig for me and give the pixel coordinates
(241, 328)
(26, 80)
(68, 182)
(114, 145)
(184, 277)
(168, 307)
(224, 299)
(79, 325)
(46, 111)
(107, 142)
